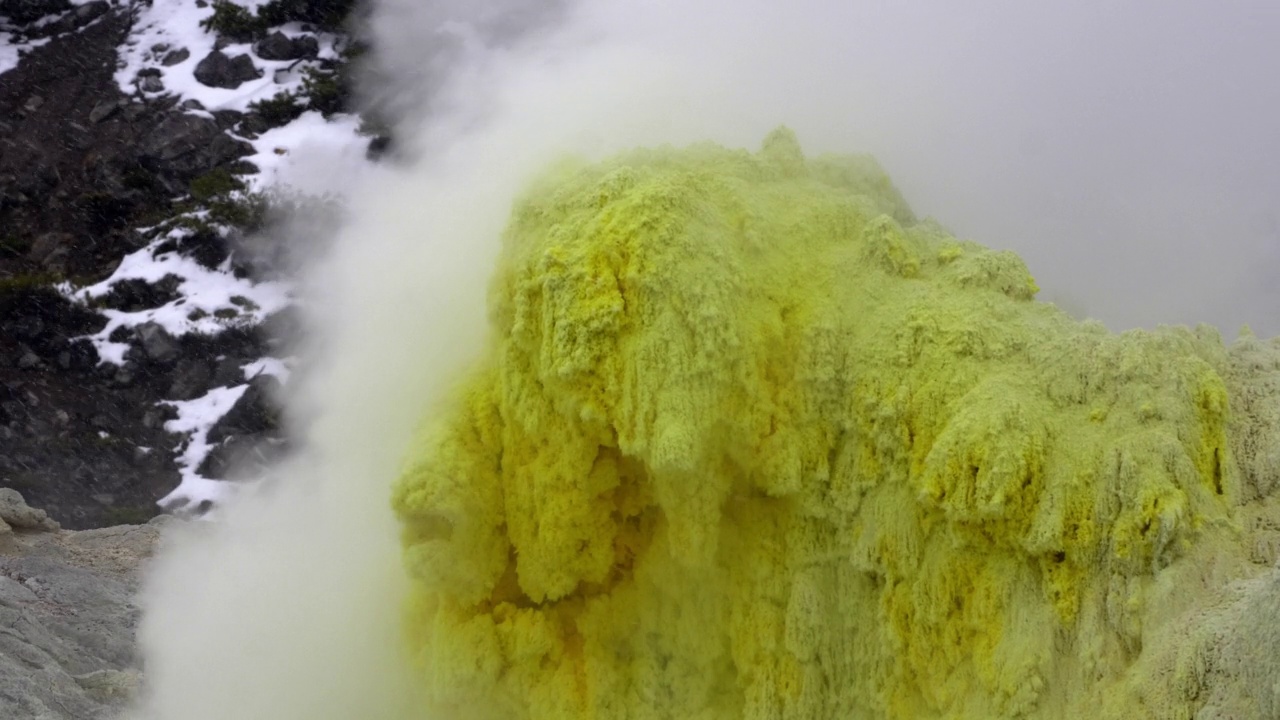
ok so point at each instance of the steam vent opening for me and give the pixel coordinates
(751, 440)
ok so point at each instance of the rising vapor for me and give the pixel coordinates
(1127, 151)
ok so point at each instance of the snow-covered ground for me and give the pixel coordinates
(11, 51)
(209, 300)
(312, 155)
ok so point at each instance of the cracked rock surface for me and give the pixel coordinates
(67, 615)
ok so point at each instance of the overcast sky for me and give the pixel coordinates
(1129, 150)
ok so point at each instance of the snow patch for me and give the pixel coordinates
(208, 302)
(195, 419)
(170, 25)
(311, 155)
(275, 367)
(11, 52)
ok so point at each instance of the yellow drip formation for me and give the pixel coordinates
(750, 441)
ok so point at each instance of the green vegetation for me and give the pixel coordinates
(280, 110)
(240, 24)
(244, 210)
(214, 184)
(234, 21)
(226, 202)
(327, 14)
(14, 245)
(327, 92)
(130, 514)
(13, 285)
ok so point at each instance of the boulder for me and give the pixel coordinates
(183, 147)
(15, 514)
(219, 71)
(48, 245)
(255, 412)
(174, 57)
(278, 46)
(190, 379)
(157, 344)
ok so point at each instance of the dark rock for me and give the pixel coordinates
(150, 72)
(219, 71)
(206, 247)
(128, 374)
(278, 46)
(254, 124)
(192, 104)
(241, 455)
(189, 380)
(173, 57)
(135, 294)
(48, 245)
(29, 361)
(151, 85)
(103, 110)
(26, 326)
(242, 167)
(90, 11)
(80, 152)
(46, 320)
(185, 146)
(179, 135)
(157, 344)
(378, 147)
(81, 356)
(25, 11)
(255, 412)
(226, 119)
(155, 418)
(229, 372)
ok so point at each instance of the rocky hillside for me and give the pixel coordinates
(143, 314)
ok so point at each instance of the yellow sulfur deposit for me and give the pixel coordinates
(753, 442)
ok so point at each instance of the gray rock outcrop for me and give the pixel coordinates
(67, 614)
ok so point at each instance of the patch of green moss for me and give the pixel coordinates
(129, 514)
(14, 284)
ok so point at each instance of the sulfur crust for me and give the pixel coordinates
(753, 442)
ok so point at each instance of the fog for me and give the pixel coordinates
(1126, 150)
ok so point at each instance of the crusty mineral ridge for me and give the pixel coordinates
(753, 442)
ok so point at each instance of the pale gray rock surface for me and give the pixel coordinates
(67, 615)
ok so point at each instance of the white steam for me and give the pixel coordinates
(1126, 149)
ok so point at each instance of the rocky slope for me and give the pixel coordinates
(106, 156)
